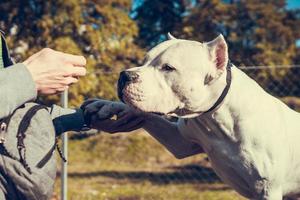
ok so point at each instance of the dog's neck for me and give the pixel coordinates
(233, 108)
(221, 87)
(224, 79)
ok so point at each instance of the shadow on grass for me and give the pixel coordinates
(174, 175)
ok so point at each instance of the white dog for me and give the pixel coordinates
(251, 138)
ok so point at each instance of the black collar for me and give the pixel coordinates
(219, 100)
(225, 91)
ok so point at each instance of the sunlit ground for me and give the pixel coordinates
(135, 167)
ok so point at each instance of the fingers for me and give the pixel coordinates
(87, 102)
(110, 110)
(99, 112)
(128, 122)
(104, 125)
(62, 89)
(95, 106)
(58, 84)
(74, 71)
(127, 117)
(121, 114)
(110, 126)
(73, 59)
(54, 71)
(91, 107)
(75, 64)
(55, 90)
(134, 125)
(49, 91)
(103, 109)
(52, 91)
(68, 81)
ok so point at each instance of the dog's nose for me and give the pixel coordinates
(124, 78)
(127, 76)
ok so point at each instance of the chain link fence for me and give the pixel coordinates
(135, 167)
(281, 81)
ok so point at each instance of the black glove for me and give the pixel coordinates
(111, 117)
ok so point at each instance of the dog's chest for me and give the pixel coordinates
(209, 132)
(223, 149)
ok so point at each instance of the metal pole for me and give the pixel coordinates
(64, 166)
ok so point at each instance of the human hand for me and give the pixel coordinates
(112, 117)
(53, 71)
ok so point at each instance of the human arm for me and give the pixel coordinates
(99, 113)
(13, 94)
(16, 88)
(46, 72)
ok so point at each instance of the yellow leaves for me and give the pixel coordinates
(188, 30)
(67, 45)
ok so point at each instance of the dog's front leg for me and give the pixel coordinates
(270, 191)
(275, 194)
(167, 133)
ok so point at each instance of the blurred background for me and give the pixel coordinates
(263, 38)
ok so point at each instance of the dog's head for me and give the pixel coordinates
(178, 77)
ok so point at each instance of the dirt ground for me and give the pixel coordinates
(135, 167)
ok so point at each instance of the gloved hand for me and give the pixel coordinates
(112, 117)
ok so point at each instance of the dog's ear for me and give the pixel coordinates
(219, 52)
(171, 37)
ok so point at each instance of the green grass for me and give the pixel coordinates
(135, 167)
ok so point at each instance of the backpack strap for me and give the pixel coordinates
(4, 125)
(1, 57)
(23, 126)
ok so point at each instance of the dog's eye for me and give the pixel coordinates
(167, 67)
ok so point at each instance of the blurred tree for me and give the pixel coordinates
(262, 32)
(99, 29)
(156, 18)
(258, 32)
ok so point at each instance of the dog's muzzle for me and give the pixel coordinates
(125, 78)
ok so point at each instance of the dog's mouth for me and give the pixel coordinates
(125, 79)
(130, 92)
(134, 101)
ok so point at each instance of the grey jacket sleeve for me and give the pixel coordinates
(16, 88)
(65, 119)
